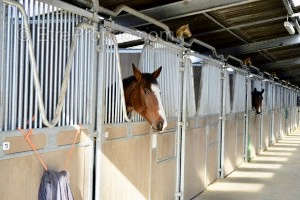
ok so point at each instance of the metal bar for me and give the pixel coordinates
(55, 66)
(31, 13)
(2, 55)
(7, 57)
(14, 71)
(222, 121)
(263, 45)
(38, 27)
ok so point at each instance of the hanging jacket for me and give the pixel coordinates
(55, 186)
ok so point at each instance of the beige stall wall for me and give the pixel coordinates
(254, 131)
(135, 168)
(20, 177)
(195, 157)
(233, 141)
(266, 129)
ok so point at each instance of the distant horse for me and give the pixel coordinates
(142, 95)
(257, 98)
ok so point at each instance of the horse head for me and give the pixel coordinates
(142, 95)
(257, 98)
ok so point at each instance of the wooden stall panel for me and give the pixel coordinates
(240, 123)
(20, 177)
(194, 181)
(212, 154)
(254, 131)
(163, 179)
(266, 130)
(165, 146)
(163, 167)
(19, 144)
(125, 169)
(115, 131)
(229, 145)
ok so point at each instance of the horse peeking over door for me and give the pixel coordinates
(142, 95)
(257, 98)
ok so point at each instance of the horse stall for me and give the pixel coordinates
(202, 132)
(234, 122)
(36, 96)
(267, 115)
(254, 119)
(133, 161)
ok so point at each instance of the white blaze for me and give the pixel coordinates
(161, 110)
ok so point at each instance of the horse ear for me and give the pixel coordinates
(137, 73)
(262, 91)
(156, 73)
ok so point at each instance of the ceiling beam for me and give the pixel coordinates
(178, 10)
(291, 73)
(234, 34)
(262, 45)
(241, 26)
(282, 64)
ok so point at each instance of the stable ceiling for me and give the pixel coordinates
(244, 28)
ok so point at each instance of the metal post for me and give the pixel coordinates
(222, 123)
(2, 53)
(246, 134)
(179, 141)
(261, 123)
(100, 75)
(272, 117)
(183, 126)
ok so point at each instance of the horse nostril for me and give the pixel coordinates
(160, 125)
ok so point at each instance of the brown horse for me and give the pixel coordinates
(257, 98)
(142, 95)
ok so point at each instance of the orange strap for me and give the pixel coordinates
(69, 155)
(33, 147)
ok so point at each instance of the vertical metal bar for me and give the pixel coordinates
(246, 132)
(32, 14)
(223, 121)
(43, 65)
(81, 62)
(179, 133)
(67, 104)
(14, 72)
(8, 39)
(50, 94)
(38, 29)
(62, 37)
(72, 77)
(47, 13)
(2, 55)
(110, 82)
(101, 68)
(55, 66)
(84, 74)
(76, 75)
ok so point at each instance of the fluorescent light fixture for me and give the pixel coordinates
(230, 69)
(289, 27)
(126, 37)
(296, 3)
(251, 75)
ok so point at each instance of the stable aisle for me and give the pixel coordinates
(272, 175)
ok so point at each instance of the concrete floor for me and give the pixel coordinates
(272, 175)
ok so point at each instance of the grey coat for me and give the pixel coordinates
(55, 186)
